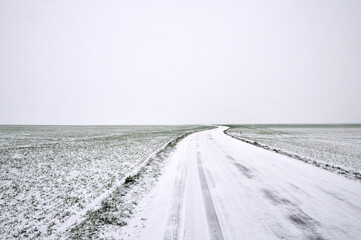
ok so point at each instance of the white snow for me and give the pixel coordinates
(52, 175)
(217, 187)
(334, 147)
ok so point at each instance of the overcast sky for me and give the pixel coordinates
(174, 62)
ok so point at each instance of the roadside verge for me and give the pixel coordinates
(335, 169)
(115, 209)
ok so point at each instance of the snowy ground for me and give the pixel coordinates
(333, 147)
(52, 176)
(217, 187)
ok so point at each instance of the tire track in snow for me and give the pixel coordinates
(215, 230)
(175, 214)
(244, 170)
(295, 214)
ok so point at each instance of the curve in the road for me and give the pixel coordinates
(217, 187)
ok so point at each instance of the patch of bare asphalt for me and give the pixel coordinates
(244, 170)
(295, 214)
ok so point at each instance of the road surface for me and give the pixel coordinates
(216, 187)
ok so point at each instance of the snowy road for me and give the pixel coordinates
(216, 187)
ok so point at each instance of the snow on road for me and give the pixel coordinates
(216, 187)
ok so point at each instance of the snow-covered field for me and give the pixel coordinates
(333, 147)
(51, 176)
